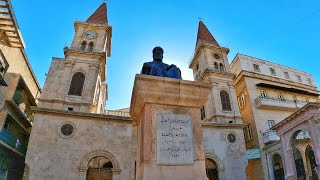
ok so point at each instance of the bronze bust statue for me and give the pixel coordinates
(158, 68)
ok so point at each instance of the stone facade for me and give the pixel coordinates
(268, 93)
(54, 156)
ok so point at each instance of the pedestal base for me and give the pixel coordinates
(167, 113)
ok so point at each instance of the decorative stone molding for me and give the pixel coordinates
(85, 160)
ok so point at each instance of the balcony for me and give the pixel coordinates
(270, 136)
(12, 141)
(278, 103)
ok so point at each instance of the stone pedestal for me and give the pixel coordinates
(167, 115)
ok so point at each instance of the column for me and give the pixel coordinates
(288, 159)
(170, 140)
(313, 127)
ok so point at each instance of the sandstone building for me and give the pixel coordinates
(268, 93)
(18, 91)
(73, 137)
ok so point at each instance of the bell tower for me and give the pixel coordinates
(76, 82)
(210, 64)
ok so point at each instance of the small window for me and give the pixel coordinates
(197, 67)
(263, 94)
(270, 123)
(280, 97)
(203, 113)
(216, 56)
(273, 71)
(309, 80)
(299, 78)
(221, 67)
(83, 46)
(307, 100)
(247, 131)
(256, 67)
(241, 100)
(90, 47)
(286, 75)
(216, 66)
(70, 109)
(231, 138)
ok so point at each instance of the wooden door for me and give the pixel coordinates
(99, 174)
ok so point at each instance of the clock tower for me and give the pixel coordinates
(76, 82)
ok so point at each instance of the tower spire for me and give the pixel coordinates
(205, 35)
(100, 15)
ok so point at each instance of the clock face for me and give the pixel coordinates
(90, 34)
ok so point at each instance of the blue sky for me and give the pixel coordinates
(286, 32)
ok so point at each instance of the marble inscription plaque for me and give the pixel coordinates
(174, 139)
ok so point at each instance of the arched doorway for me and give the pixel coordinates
(99, 168)
(311, 163)
(278, 170)
(211, 169)
(300, 140)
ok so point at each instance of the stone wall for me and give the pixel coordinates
(18, 64)
(52, 156)
(230, 157)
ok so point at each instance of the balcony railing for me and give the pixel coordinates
(210, 67)
(265, 102)
(270, 136)
(24, 111)
(117, 113)
(12, 141)
(91, 49)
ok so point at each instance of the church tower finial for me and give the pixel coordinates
(100, 15)
(205, 35)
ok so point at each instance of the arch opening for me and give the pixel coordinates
(278, 169)
(212, 169)
(76, 85)
(225, 101)
(299, 142)
(99, 168)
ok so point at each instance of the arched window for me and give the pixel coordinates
(83, 46)
(221, 67)
(216, 65)
(76, 85)
(211, 169)
(225, 101)
(90, 47)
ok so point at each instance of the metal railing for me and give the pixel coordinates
(86, 48)
(12, 141)
(268, 132)
(117, 113)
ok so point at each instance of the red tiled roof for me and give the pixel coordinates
(99, 16)
(205, 35)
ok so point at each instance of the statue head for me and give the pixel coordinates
(157, 53)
